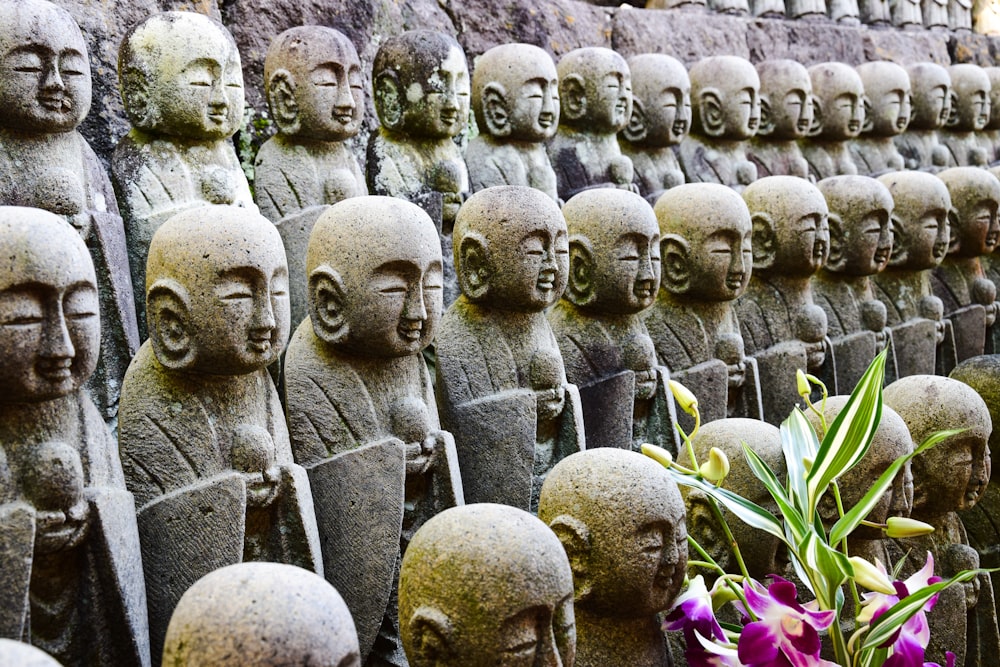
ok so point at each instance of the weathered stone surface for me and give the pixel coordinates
(786, 115)
(24, 655)
(263, 614)
(840, 115)
(807, 42)
(693, 35)
(905, 47)
(887, 114)
(621, 520)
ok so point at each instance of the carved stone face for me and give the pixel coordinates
(49, 322)
(521, 80)
(887, 88)
(975, 197)
(970, 98)
(615, 241)
(44, 71)
(994, 74)
(790, 217)
(662, 94)
(860, 236)
(919, 220)
(607, 87)
(785, 88)
(839, 93)
(504, 595)
(436, 105)
(931, 85)
(729, 87)
(195, 81)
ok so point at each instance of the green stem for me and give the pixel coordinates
(729, 536)
(737, 591)
(835, 488)
(839, 644)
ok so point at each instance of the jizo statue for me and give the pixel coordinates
(73, 584)
(182, 85)
(935, 14)
(839, 115)
(970, 114)
(786, 115)
(887, 115)
(45, 90)
(920, 145)
(515, 96)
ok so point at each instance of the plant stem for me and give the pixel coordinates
(729, 536)
(737, 591)
(835, 488)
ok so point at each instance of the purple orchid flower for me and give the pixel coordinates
(692, 614)
(787, 634)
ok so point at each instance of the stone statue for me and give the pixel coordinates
(786, 115)
(313, 81)
(24, 655)
(661, 118)
(907, 14)
(807, 10)
(501, 386)
(620, 519)
(970, 114)
(989, 137)
(201, 425)
(614, 275)
(486, 584)
(877, 13)
(844, 12)
(960, 16)
(920, 145)
(516, 101)
(706, 258)
(731, 7)
(420, 86)
(887, 114)
(920, 234)
(182, 84)
(726, 113)
(935, 14)
(69, 564)
(860, 247)
(781, 325)
(948, 478)
(969, 297)
(357, 388)
(45, 163)
(595, 93)
(839, 116)
(262, 614)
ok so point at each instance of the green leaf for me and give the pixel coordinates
(847, 523)
(798, 442)
(764, 473)
(849, 437)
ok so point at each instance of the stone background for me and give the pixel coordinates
(557, 26)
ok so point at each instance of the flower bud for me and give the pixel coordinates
(898, 526)
(870, 576)
(684, 397)
(721, 593)
(716, 467)
(802, 383)
(658, 454)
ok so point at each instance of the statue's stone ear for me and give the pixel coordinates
(580, 288)
(869, 122)
(713, 120)
(764, 241)
(495, 110)
(636, 129)
(431, 630)
(954, 242)
(899, 241)
(817, 123)
(281, 100)
(168, 315)
(474, 266)
(575, 538)
(135, 93)
(952, 109)
(573, 97)
(675, 267)
(835, 260)
(326, 304)
(388, 100)
(766, 126)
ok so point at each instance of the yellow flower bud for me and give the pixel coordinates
(870, 576)
(721, 593)
(684, 397)
(716, 467)
(802, 383)
(658, 454)
(898, 526)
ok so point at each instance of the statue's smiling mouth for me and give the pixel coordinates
(449, 117)
(410, 331)
(55, 370)
(854, 125)
(259, 344)
(59, 103)
(882, 256)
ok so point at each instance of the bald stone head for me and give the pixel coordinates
(705, 248)
(970, 98)
(420, 82)
(786, 110)
(44, 71)
(975, 197)
(620, 518)
(263, 614)
(217, 291)
(887, 98)
(764, 554)
(920, 230)
(952, 475)
(180, 75)
(50, 326)
(486, 584)
(515, 93)
(511, 249)
(661, 101)
(375, 281)
(24, 655)
(725, 97)
(790, 232)
(994, 75)
(860, 236)
(982, 373)
(931, 87)
(314, 84)
(614, 251)
(595, 90)
(839, 94)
